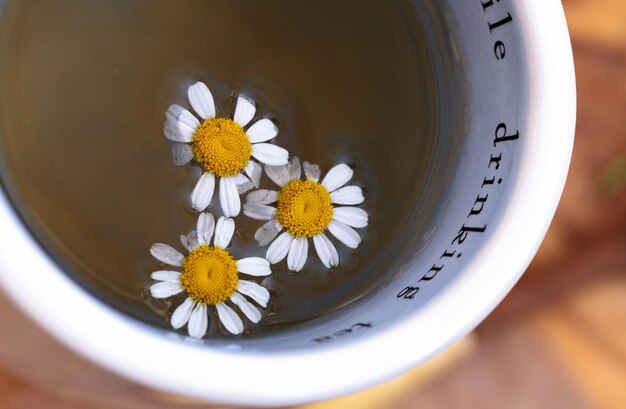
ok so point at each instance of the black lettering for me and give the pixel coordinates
(448, 254)
(465, 231)
(322, 339)
(488, 181)
(496, 160)
(504, 137)
(408, 293)
(479, 201)
(505, 20)
(434, 269)
(487, 4)
(499, 50)
(343, 332)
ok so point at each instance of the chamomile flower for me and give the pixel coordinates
(209, 278)
(222, 147)
(306, 209)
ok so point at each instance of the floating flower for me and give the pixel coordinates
(306, 209)
(222, 147)
(209, 277)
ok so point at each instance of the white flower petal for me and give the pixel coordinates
(166, 254)
(182, 313)
(262, 196)
(180, 131)
(312, 172)
(189, 240)
(246, 307)
(347, 195)
(326, 250)
(298, 252)
(255, 291)
(269, 154)
(254, 171)
(173, 112)
(203, 192)
(205, 228)
(254, 266)
(180, 125)
(243, 184)
(259, 212)
(278, 174)
(262, 130)
(198, 322)
(229, 197)
(166, 275)
(172, 131)
(201, 100)
(229, 319)
(164, 289)
(294, 168)
(224, 231)
(188, 119)
(181, 154)
(266, 233)
(244, 187)
(337, 176)
(352, 216)
(345, 234)
(244, 111)
(186, 133)
(278, 250)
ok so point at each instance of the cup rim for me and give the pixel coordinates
(85, 324)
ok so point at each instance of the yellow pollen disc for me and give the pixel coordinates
(209, 275)
(304, 208)
(221, 147)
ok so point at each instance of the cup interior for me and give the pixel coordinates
(104, 188)
(467, 227)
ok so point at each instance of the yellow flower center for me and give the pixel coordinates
(221, 147)
(304, 208)
(209, 275)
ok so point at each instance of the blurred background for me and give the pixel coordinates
(559, 339)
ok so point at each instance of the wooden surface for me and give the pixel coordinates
(559, 339)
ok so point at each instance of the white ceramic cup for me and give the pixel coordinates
(514, 147)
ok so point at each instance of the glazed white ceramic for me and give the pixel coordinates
(513, 155)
